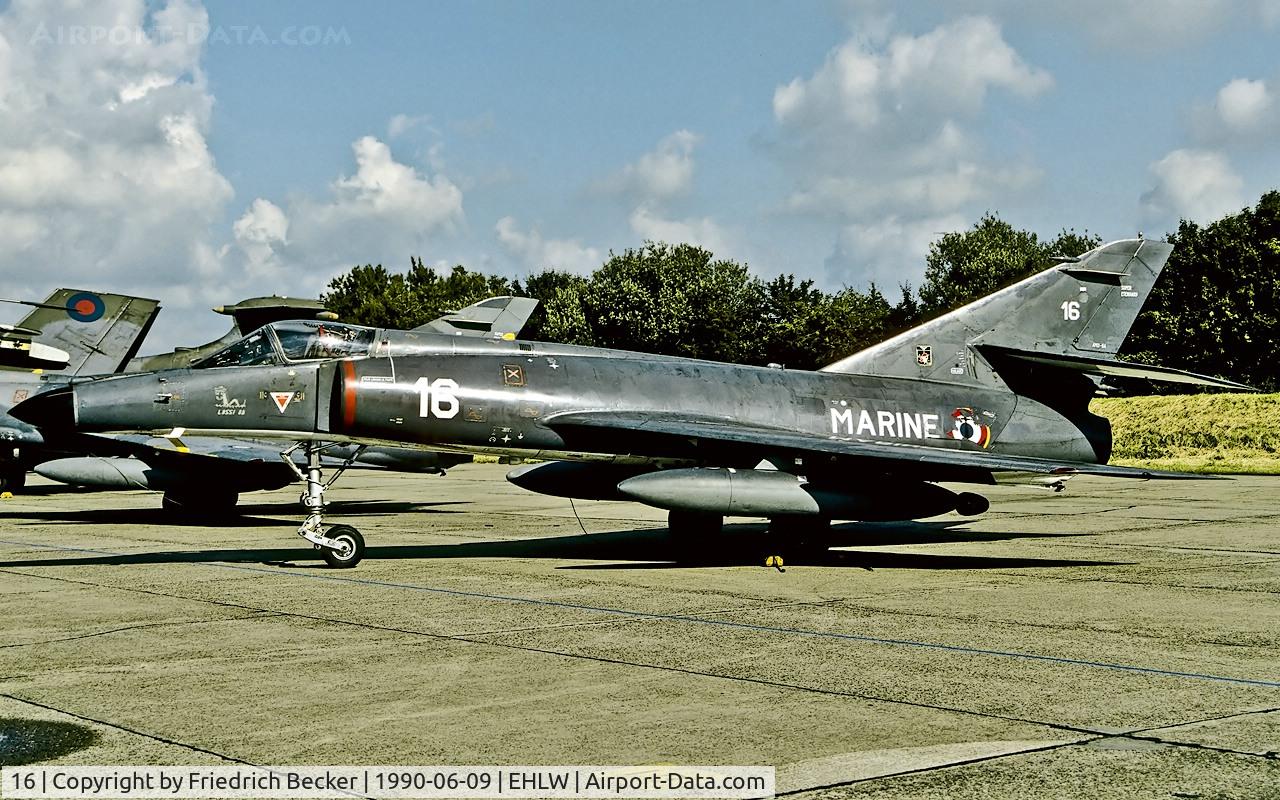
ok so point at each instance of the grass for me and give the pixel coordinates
(1215, 433)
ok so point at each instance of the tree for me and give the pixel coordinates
(560, 316)
(961, 267)
(793, 317)
(854, 321)
(675, 300)
(369, 295)
(1215, 307)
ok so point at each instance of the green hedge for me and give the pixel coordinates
(1204, 432)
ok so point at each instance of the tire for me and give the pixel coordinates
(13, 480)
(349, 557)
(801, 537)
(694, 523)
(969, 504)
(695, 536)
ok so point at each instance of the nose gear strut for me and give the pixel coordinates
(341, 546)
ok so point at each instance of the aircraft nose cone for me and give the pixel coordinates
(53, 409)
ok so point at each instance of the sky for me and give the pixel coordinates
(203, 153)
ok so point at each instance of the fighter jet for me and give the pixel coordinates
(998, 388)
(204, 475)
(79, 333)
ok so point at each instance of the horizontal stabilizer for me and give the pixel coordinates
(17, 332)
(501, 317)
(1096, 275)
(1109, 367)
(19, 351)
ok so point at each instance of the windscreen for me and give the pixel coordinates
(308, 340)
(256, 348)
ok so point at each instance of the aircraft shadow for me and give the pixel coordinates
(246, 516)
(743, 545)
(50, 489)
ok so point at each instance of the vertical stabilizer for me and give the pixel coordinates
(1083, 308)
(99, 332)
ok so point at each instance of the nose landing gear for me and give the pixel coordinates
(341, 546)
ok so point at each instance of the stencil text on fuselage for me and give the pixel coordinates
(885, 424)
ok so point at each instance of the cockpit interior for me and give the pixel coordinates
(293, 341)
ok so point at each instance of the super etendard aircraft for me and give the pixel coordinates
(1000, 387)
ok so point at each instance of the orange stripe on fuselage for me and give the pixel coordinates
(348, 394)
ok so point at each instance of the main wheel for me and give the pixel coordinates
(694, 523)
(351, 551)
(801, 537)
(695, 536)
(12, 480)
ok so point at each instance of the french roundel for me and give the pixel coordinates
(85, 307)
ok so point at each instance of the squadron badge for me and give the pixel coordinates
(966, 427)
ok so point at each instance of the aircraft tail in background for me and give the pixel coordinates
(98, 331)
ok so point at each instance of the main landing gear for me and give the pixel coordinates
(12, 478)
(341, 546)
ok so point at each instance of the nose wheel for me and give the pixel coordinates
(350, 547)
(341, 546)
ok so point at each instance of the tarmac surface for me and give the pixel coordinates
(1121, 639)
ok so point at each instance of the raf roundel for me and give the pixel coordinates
(85, 307)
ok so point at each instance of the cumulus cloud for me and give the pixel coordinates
(107, 180)
(1162, 22)
(1244, 104)
(1242, 115)
(260, 233)
(535, 252)
(661, 174)
(891, 249)
(878, 140)
(650, 225)
(386, 189)
(400, 124)
(1137, 26)
(385, 211)
(946, 188)
(105, 174)
(1199, 185)
(948, 70)
(654, 184)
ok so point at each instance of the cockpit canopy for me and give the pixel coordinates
(296, 340)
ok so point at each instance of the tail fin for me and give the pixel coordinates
(1082, 309)
(502, 317)
(99, 332)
